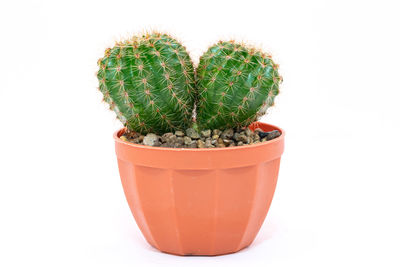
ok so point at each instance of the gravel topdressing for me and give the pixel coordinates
(205, 139)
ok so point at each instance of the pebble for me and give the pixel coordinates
(193, 144)
(227, 134)
(151, 140)
(215, 136)
(178, 145)
(132, 135)
(136, 141)
(208, 143)
(168, 138)
(166, 145)
(248, 132)
(206, 133)
(179, 133)
(243, 138)
(273, 134)
(187, 140)
(180, 140)
(227, 142)
(208, 138)
(236, 136)
(216, 132)
(269, 135)
(192, 133)
(201, 144)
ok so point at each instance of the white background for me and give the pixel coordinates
(337, 200)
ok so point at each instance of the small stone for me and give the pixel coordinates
(123, 138)
(220, 141)
(250, 141)
(256, 137)
(201, 144)
(256, 142)
(132, 135)
(262, 134)
(220, 145)
(248, 132)
(151, 140)
(141, 138)
(227, 134)
(192, 133)
(273, 134)
(171, 139)
(243, 138)
(206, 133)
(178, 145)
(208, 143)
(166, 145)
(214, 141)
(236, 136)
(215, 137)
(270, 135)
(216, 132)
(232, 144)
(240, 143)
(187, 140)
(168, 138)
(193, 144)
(179, 133)
(180, 140)
(136, 141)
(227, 142)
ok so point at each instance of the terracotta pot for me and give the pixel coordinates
(207, 201)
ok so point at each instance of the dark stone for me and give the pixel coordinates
(269, 135)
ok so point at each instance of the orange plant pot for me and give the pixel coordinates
(209, 201)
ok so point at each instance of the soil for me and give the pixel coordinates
(205, 139)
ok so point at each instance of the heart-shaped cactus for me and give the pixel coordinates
(236, 85)
(148, 81)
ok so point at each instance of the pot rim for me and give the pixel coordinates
(118, 133)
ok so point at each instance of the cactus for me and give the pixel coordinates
(148, 81)
(236, 85)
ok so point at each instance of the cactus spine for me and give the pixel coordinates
(236, 85)
(148, 81)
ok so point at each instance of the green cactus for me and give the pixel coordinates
(148, 81)
(236, 85)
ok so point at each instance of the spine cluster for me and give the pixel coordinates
(235, 84)
(149, 82)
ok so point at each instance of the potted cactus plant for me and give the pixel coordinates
(198, 170)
